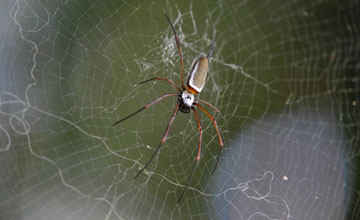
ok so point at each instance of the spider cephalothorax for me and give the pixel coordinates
(186, 102)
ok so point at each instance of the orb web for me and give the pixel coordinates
(283, 74)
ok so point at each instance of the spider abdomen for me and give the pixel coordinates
(197, 76)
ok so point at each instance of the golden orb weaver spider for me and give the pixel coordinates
(186, 102)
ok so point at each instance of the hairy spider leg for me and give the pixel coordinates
(217, 131)
(211, 106)
(163, 139)
(164, 79)
(197, 157)
(180, 52)
(145, 107)
(208, 104)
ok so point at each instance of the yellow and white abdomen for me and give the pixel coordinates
(197, 76)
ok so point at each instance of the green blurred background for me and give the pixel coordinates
(284, 75)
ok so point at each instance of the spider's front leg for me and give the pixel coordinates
(217, 131)
(163, 139)
(198, 154)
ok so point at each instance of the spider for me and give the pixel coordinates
(185, 102)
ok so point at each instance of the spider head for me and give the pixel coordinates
(186, 101)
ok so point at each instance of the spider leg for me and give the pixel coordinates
(212, 45)
(217, 160)
(180, 52)
(163, 139)
(211, 106)
(165, 79)
(217, 131)
(197, 157)
(145, 107)
(208, 104)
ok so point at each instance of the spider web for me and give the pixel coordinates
(284, 74)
